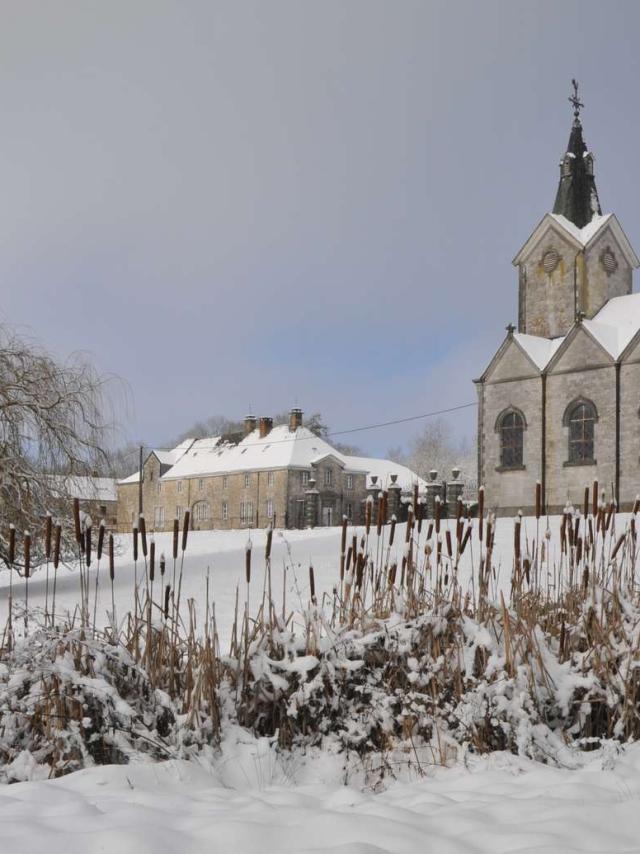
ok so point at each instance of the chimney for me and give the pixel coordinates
(265, 426)
(295, 419)
(249, 424)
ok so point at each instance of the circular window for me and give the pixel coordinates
(550, 260)
(609, 261)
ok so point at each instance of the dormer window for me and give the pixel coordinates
(588, 162)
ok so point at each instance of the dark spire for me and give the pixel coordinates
(577, 197)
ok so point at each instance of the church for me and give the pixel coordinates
(559, 403)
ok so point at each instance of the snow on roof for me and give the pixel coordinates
(165, 457)
(88, 488)
(280, 448)
(539, 350)
(582, 235)
(613, 327)
(383, 469)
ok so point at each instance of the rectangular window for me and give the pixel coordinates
(159, 488)
(246, 512)
(158, 516)
(349, 481)
(328, 477)
(179, 486)
(201, 484)
(225, 481)
(269, 508)
(201, 511)
(304, 478)
(270, 478)
(247, 480)
(225, 511)
(178, 511)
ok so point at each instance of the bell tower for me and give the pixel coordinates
(576, 260)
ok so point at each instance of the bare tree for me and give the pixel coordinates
(434, 449)
(51, 427)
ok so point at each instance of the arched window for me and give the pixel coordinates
(511, 426)
(581, 417)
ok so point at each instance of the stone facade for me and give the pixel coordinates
(576, 354)
(296, 496)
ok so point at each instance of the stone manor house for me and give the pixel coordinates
(559, 402)
(284, 475)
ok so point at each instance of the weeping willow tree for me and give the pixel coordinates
(52, 429)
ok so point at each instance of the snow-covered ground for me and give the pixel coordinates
(251, 799)
(250, 804)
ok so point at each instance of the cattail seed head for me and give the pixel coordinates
(312, 584)
(112, 573)
(48, 528)
(152, 559)
(163, 565)
(176, 533)
(247, 561)
(167, 591)
(142, 527)
(185, 529)
(87, 545)
(12, 545)
(101, 532)
(56, 546)
(392, 532)
(135, 542)
(76, 521)
(267, 548)
(27, 554)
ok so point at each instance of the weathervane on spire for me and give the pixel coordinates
(577, 103)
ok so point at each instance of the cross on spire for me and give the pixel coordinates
(577, 103)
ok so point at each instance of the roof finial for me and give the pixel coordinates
(577, 103)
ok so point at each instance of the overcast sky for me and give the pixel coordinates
(239, 204)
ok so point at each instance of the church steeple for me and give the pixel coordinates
(577, 197)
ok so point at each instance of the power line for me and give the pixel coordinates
(332, 433)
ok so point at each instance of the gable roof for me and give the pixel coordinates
(580, 238)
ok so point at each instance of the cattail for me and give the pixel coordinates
(360, 571)
(176, 532)
(392, 574)
(392, 532)
(465, 539)
(101, 531)
(349, 555)
(56, 546)
(578, 549)
(312, 584)
(636, 505)
(152, 559)
(76, 521)
(379, 509)
(538, 499)
(617, 547)
(526, 565)
(480, 512)
(162, 565)
(563, 535)
(409, 527)
(420, 514)
(167, 591)
(367, 515)
(516, 538)
(12, 545)
(142, 527)
(48, 526)
(595, 498)
(437, 514)
(576, 530)
(448, 539)
(27, 554)
(430, 531)
(135, 542)
(87, 544)
(112, 573)
(247, 561)
(185, 529)
(586, 503)
(267, 548)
